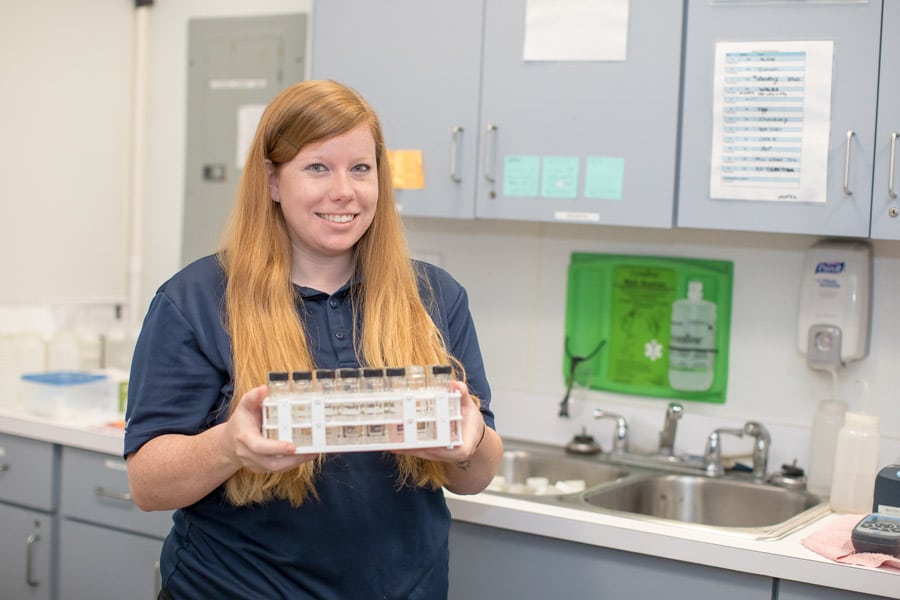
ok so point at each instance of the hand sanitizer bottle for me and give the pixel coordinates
(692, 341)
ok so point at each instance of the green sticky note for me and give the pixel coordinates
(603, 176)
(560, 177)
(521, 175)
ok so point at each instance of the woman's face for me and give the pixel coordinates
(328, 193)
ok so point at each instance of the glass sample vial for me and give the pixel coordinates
(373, 384)
(324, 384)
(394, 381)
(692, 341)
(439, 376)
(347, 384)
(301, 387)
(279, 390)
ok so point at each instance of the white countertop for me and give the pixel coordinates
(786, 558)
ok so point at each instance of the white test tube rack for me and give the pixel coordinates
(357, 421)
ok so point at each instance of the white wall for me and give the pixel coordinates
(64, 208)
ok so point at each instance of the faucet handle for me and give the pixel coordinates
(620, 433)
(760, 448)
(712, 455)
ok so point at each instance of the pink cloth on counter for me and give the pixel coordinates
(833, 541)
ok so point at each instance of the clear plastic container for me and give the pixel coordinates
(68, 394)
(855, 464)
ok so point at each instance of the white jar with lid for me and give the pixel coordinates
(855, 464)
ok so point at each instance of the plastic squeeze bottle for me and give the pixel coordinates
(692, 341)
(855, 464)
(826, 425)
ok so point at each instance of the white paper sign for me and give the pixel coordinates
(576, 29)
(771, 121)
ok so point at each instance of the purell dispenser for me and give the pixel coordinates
(835, 304)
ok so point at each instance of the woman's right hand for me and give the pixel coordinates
(251, 450)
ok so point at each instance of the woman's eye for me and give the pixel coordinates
(362, 168)
(317, 167)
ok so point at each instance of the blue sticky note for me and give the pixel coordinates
(603, 177)
(559, 178)
(521, 175)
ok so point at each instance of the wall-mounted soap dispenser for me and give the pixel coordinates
(835, 303)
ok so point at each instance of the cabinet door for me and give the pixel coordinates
(26, 539)
(792, 590)
(417, 62)
(487, 562)
(28, 470)
(886, 184)
(580, 140)
(96, 562)
(95, 489)
(855, 30)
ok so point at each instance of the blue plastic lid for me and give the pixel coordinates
(63, 377)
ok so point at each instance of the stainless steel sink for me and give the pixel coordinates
(764, 511)
(728, 504)
(560, 474)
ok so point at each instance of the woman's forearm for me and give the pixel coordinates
(472, 475)
(173, 471)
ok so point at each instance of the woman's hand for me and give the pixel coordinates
(249, 448)
(472, 464)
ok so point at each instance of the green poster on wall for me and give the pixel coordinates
(661, 323)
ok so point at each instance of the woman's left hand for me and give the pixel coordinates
(472, 464)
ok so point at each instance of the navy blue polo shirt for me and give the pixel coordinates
(364, 537)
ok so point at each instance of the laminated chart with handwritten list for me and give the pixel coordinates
(771, 116)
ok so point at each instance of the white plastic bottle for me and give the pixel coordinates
(855, 464)
(826, 424)
(692, 341)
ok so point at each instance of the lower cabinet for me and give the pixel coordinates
(486, 562)
(109, 548)
(99, 562)
(28, 518)
(26, 550)
(792, 590)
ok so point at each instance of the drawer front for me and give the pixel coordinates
(95, 489)
(27, 472)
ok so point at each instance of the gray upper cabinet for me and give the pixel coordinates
(418, 63)
(602, 134)
(855, 30)
(886, 183)
(452, 81)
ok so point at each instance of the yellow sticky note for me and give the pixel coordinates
(406, 169)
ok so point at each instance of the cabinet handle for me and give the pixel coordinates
(489, 140)
(847, 190)
(891, 191)
(102, 492)
(454, 153)
(30, 541)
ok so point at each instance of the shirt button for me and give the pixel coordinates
(333, 303)
(339, 335)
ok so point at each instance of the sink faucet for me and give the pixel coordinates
(712, 456)
(620, 433)
(667, 435)
(760, 448)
